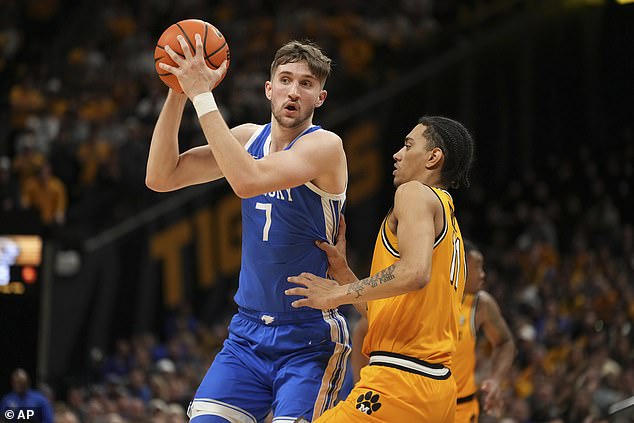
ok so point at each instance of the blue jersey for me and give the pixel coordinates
(288, 361)
(279, 230)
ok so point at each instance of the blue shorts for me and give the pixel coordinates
(292, 364)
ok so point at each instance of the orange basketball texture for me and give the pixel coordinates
(215, 48)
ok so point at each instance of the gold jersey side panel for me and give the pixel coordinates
(465, 358)
(421, 324)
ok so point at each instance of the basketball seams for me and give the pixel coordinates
(191, 46)
(213, 53)
(207, 56)
(205, 41)
(188, 28)
(216, 51)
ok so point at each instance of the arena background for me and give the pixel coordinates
(136, 282)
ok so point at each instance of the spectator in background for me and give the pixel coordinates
(76, 404)
(138, 387)
(92, 155)
(9, 189)
(22, 397)
(176, 414)
(122, 360)
(65, 416)
(28, 159)
(25, 98)
(46, 193)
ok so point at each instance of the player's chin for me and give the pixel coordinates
(291, 122)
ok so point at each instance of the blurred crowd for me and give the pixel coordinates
(82, 93)
(559, 252)
(82, 97)
(141, 380)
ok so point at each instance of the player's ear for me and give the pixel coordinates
(321, 98)
(435, 159)
(267, 89)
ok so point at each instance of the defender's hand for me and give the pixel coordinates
(337, 262)
(319, 293)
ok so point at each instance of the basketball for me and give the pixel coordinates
(215, 48)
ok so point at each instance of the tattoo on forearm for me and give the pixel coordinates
(380, 278)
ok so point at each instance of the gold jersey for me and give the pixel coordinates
(465, 358)
(421, 324)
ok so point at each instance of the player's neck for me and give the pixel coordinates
(431, 179)
(282, 136)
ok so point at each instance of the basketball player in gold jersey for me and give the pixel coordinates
(480, 310)
(413, 296)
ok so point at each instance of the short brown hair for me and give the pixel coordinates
(307, 51)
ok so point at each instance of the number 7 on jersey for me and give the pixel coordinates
(267, 207)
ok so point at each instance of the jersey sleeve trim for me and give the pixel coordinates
(445, 227)
(386, 240)
(254, 136)
(314, 188)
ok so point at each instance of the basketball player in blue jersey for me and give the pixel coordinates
(292, 177)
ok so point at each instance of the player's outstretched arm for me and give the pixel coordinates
(498, 334)
(415, 207)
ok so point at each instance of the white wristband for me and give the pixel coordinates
(204, 103)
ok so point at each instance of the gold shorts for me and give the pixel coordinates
(396, 388)
(467, 409)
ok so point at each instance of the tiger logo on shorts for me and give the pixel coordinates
(368, 403)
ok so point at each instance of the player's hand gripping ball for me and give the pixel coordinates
(215, 48)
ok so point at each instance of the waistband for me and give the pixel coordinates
(286, 317)
(409, 364)
(468, 398)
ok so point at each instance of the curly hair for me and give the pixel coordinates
(456, 143)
